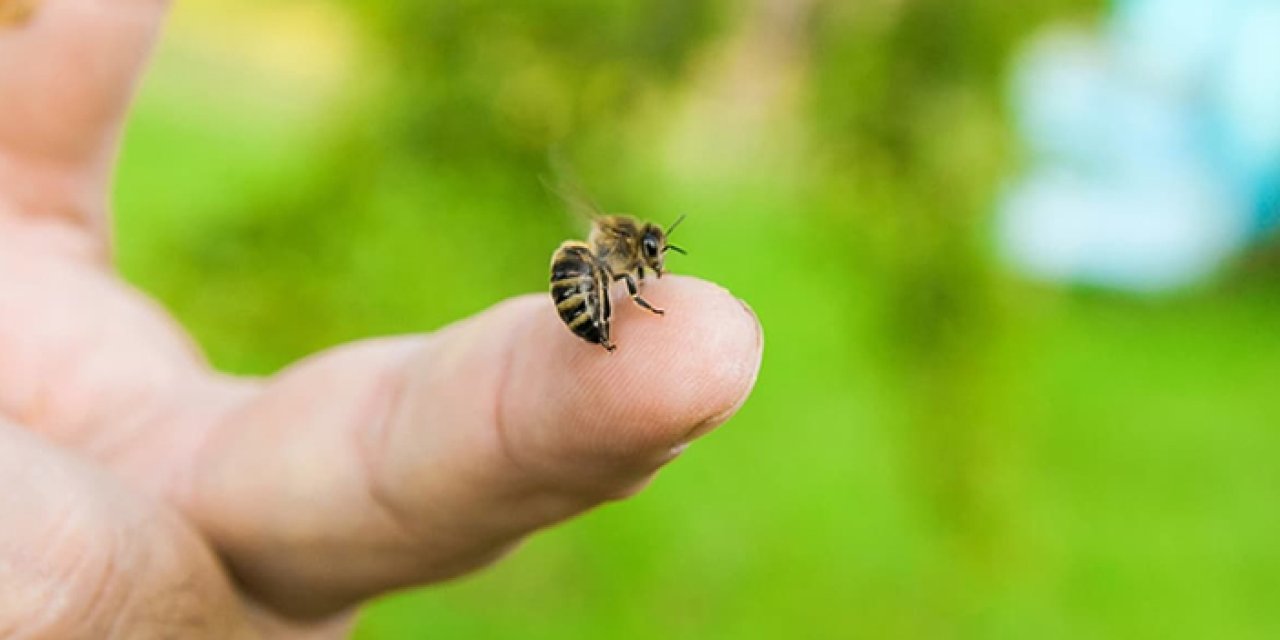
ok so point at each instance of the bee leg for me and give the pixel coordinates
(604, 329)
(635, 293)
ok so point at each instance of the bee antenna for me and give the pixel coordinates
(675, 224)
(677, 250)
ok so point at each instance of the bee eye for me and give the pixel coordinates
(651, 246)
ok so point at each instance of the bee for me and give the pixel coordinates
(618, 248)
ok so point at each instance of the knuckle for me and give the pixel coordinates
(70, 588)
(111, 569)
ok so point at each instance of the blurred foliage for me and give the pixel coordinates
(934, 448)
(481, 83)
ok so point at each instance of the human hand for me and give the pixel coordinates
(150, 495)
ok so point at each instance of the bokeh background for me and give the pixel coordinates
(937, 446)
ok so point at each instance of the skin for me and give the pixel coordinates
(149, 495)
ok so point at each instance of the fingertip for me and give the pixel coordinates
(739, 371)
(672, 378)
(700, 360)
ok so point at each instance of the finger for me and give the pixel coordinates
(67, 73)
(80, 557)
(411, 460)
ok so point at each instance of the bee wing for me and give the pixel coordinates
(565, 185)
(581, 206)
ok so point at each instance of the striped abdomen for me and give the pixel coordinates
(580, 290)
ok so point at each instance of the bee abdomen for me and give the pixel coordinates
(581, 301)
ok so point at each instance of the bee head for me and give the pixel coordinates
(654, 246)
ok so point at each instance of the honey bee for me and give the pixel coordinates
(618, 248)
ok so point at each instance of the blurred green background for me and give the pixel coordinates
(934, 449)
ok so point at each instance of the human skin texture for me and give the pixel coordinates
(150, 495)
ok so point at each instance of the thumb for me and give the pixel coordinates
(411, 460)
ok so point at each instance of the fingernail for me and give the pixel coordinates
(718, 419)
(755, 318)
(15, 13)
(702, 428)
